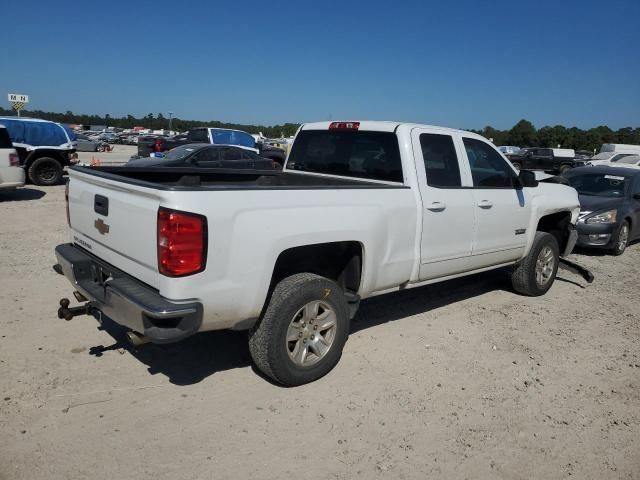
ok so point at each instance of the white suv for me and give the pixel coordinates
(11, 173)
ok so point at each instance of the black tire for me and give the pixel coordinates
(564, 168)
(517, 165)
(268, 343)
(45, 171)
(523, 277)
(621, 244)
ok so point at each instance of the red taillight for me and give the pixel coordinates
(182, 243)
(14, 160)
(158, 145)
(66, 200)
(344, 126)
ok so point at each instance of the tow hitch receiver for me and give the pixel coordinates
(68, 313)
(577, 269)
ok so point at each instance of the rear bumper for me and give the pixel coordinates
(11, 177)
(127, 301)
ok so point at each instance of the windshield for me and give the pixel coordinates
(602, 156)
(599, 184)
(181, 152)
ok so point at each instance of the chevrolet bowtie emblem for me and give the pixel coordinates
(101, 226)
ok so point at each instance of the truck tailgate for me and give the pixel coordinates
(117, 222)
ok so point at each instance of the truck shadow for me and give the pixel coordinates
(187, 362)
(21, 194)
(398, 305)
(198, 357)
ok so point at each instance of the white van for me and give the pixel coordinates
(620, 148)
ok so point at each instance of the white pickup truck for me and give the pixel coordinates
(360, 209)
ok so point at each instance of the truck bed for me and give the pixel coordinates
(171, 178)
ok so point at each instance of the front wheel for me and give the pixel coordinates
(303, 330)
(621, 239)
(535, 274)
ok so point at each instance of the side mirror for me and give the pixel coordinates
(527, 178)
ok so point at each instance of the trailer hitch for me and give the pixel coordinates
(68, 313)
(577, 269)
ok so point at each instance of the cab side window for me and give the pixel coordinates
(440, 161)
(488, 168)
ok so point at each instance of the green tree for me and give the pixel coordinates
(523, 134)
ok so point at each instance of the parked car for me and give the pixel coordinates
(555, 160)
(620, 148)
(361, 209)
(628, 161)
(509, 149)
(219, 136)
(11, 173)
(204, 155)
(157, 144)
(583, 155)
(604, 158)
(85, 144)
(44, 147)
(609, 206)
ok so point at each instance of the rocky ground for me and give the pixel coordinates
(463, 379)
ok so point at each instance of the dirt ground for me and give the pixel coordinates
(460, 380)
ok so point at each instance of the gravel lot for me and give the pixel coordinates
(460, 380)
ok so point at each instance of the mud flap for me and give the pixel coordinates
(577, 269)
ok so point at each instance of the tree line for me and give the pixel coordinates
(154, 122)
(522, 134)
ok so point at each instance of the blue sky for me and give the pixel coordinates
(456, 63)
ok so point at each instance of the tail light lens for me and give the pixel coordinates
(14, 160)
(182, 243)
(157, 147)
(344, 126)
(66, 201)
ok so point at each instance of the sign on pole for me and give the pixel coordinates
(18, 100)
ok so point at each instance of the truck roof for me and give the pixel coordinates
(383, 126)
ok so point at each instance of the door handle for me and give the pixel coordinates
(485, 204)
(436, 206)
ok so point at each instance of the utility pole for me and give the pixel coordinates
(170, 115)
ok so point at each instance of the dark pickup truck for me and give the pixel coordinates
(554, 160)
(216, 136)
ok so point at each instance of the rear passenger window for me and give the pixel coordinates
(440, 160)
(231, 154)
(361, 154)
(488, 168)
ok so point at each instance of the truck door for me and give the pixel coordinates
(447, 204)
(502, 209)
(547, 160)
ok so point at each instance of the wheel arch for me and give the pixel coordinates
(556, 224)
(43, 152)
(339, 261)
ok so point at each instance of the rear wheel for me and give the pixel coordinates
(45, 171)
(535, 274)
(516, 165)
(301, 335)
(621, 239)
(564, 168)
